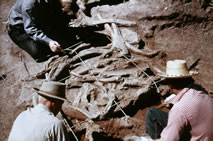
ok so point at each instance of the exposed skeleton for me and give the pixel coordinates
(84, 20)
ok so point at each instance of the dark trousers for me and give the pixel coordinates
(37, 50)
(65, 36)
(156, 121)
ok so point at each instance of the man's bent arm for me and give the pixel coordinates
(29, 24)
(175, 126)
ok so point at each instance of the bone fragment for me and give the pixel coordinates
(80, 48)
(108, 74)
(157, 70)
(133, 83)
(51, 65)
(107, 54)
(139, 52)
(86, 54)
(83, 72)
(55, 72)
(75, 74)
(84, 20)
(58, 68)
(111, 80)
(82, 78)
(91, 129)
(74, 113)
(88, 79)
(93, 100)
(73, 83)
(117, 40)
(105, 63)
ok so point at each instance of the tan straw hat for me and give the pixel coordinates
(52, 89)
(177, 69)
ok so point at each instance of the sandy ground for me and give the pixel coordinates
(12, 72)
(16, 66)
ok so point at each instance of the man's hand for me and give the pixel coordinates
(55, 46)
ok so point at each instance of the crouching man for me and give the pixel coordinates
(191, 115)
(39, 123)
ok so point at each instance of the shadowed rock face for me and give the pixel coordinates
(111, 73)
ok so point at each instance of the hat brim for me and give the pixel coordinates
(42, 93)
(191, 73)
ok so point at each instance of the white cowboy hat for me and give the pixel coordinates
(177, 69)
(52, 89)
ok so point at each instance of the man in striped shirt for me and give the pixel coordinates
(191, 116)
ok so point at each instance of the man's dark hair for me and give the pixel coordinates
(50, 99)
(180, 82)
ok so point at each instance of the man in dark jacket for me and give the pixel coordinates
(38, 26)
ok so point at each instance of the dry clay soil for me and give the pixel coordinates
(198, 44)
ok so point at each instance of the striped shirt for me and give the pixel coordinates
(191, 117)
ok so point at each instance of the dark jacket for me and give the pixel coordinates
(37, 17)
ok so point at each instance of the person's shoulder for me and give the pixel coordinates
(28, 3)
(59, 123)
(25, 112)
(180, 106)
(198, 87)
(56, 124)
(54, 120)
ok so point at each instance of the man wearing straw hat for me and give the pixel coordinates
(191, 115)
(39, 123)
